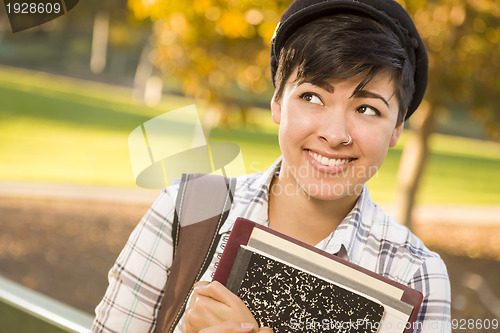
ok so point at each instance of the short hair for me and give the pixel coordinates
(342, 46)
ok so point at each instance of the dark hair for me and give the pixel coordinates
(342, 46)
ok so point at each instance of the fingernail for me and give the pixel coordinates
(200, 286)
(246, 326)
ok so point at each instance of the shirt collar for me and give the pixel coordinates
(345, 239)
(251, 200)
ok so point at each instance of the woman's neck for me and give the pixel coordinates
(303, 217)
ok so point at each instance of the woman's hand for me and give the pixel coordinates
(212, 305)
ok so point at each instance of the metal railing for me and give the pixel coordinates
(25, 311)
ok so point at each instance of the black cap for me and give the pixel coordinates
(387, 12)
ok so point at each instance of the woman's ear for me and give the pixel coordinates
(276, 109)
(396, 134)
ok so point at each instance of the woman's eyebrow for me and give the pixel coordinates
(369, 94)
(320, 84)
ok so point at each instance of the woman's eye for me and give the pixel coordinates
(312, 98)
(368, 110)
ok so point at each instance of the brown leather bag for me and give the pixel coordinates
(202, 205)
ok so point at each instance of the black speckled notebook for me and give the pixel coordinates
(289, 299)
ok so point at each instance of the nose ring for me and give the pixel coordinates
(348, 142)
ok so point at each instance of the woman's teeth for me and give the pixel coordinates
(327, 161)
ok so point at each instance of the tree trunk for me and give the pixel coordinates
(412, 162)
(99, 42)
(142, 74)
(215, 114)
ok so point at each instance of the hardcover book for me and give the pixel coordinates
(291, 286)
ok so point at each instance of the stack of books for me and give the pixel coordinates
(291, 286)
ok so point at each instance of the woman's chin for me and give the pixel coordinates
(324, 191)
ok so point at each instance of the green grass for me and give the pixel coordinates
(57, 129)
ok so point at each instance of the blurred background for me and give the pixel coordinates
(73, 89)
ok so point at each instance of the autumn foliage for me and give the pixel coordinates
(210, 46)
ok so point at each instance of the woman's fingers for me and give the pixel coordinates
(212, 304)
(204, 312)
(194, 295)
(216, 291)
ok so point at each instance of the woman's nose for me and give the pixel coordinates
(333, 128)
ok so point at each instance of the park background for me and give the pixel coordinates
(73, 89)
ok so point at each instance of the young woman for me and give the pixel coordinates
(347, 74)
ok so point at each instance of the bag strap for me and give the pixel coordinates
(202, 206)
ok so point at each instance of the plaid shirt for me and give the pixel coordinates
(366, 236)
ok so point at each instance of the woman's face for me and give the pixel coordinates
(315, 125)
